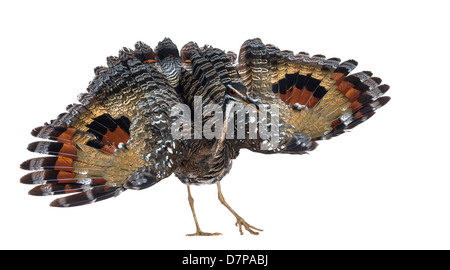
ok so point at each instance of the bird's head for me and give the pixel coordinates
(235, 97)
(235, 94)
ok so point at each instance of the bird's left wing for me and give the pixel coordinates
(118, 137)
(317, 98)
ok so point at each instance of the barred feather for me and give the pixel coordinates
(325, 98)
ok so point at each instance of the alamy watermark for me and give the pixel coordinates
(227, 123)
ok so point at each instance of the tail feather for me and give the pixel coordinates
(71, 136)
(144, 52)
(205, 78)
(186, 52)
(79, 152)
(221, 64)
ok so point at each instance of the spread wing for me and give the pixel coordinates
(117, 137)
(317, 97)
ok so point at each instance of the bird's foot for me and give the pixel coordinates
(241, 222)
(201, 233)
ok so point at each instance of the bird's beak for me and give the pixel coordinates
(246, 100)
(251, 105)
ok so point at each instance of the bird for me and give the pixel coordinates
(152, 113)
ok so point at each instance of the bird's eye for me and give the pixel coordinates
(232, 92)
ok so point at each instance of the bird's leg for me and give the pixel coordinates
(239, 220)
(199, 231)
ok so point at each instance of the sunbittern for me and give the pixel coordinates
(126, 132)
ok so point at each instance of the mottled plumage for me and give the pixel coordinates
(121, 133)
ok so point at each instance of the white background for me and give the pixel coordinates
(383, 186)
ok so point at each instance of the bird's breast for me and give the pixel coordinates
(203, 169)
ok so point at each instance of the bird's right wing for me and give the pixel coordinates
(317, 98)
